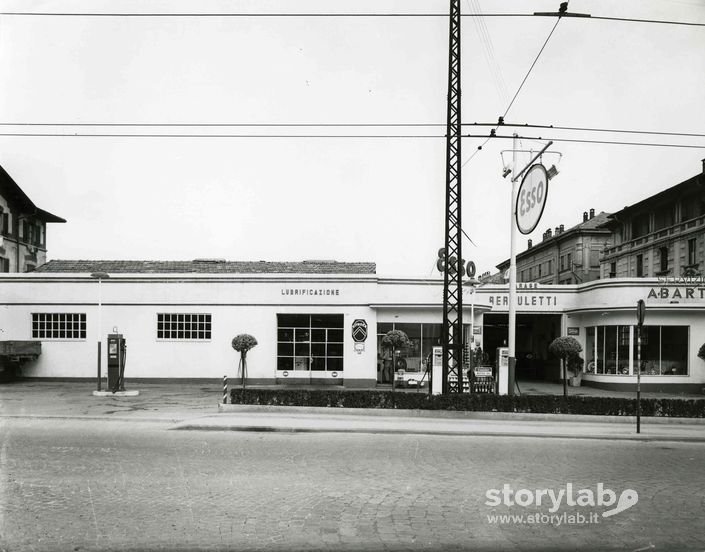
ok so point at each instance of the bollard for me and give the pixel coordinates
(225, 389)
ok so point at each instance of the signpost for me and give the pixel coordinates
(640, 314)
(531, 215)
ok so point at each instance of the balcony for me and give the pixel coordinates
(652, 238)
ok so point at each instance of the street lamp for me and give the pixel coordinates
(100, 276)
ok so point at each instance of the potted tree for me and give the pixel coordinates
(243, 343)
(565, 348)
(395, 340)
(701, 352)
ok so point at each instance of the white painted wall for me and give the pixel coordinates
(249, 304)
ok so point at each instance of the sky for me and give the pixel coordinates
(344, 198)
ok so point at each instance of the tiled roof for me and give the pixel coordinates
(598, 223)
(207, 266)
(592, 224)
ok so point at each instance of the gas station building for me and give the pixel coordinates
(321, 322)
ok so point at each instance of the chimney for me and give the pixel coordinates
(548, 233)
(529, 244)
(592, 213)
(562, 229)
(585, 216)
(556, 231)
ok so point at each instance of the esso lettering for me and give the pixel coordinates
(539, 192)
(528, 199)
(453, 266)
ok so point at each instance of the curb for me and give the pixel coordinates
(273, 428)
(452, 414)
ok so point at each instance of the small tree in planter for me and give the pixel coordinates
(394, 340)
(701, 352)
(565, 348)
(243, 343)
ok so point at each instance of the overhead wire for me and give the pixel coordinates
(332, 14)
(201, 135)
(488, 51)
(591, 129)
(479, 148)
(584, 141)
(345, 125)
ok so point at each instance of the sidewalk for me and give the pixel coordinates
(197, 407)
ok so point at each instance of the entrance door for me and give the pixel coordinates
(533, 336)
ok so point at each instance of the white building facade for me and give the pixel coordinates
(326, 327)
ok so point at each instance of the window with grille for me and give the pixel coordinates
(183, 326)
(58, 325)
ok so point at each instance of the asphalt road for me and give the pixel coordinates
(137, 485)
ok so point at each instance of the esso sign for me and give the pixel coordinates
(453, 266)
(531, 198)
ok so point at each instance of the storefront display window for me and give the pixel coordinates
(613, 350)
(422, 337)
(310, 342)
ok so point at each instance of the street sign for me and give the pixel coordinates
(531, 198)
(640, 312)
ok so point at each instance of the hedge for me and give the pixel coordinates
(538, 404)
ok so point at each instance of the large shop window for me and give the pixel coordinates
(422, 337)
(183, 326)
(613, 350)
(310, 342)
(55, 325)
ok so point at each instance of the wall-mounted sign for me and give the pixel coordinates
(531, 198)
(452, 265)
(359, 330)
(310, 291)
(285, 374)
(359, 348)
(528, 300)
(677, 293)
(573, 331)
(334, 374)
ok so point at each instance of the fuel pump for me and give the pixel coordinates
(117, 353)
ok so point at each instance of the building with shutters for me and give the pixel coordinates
(23, 228)
(565, 256)
(660, 236)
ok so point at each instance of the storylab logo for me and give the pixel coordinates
(553, 500)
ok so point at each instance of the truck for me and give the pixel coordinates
(14, 353)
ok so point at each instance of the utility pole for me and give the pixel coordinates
(452, 282)
(512, 327)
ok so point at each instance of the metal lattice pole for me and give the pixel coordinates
(452, 284)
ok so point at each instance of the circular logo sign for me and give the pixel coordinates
(334, 374)
(285, 374)
(531, 198)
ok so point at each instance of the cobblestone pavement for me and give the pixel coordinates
(84, 485)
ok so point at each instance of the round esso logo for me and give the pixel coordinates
(531, 198)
